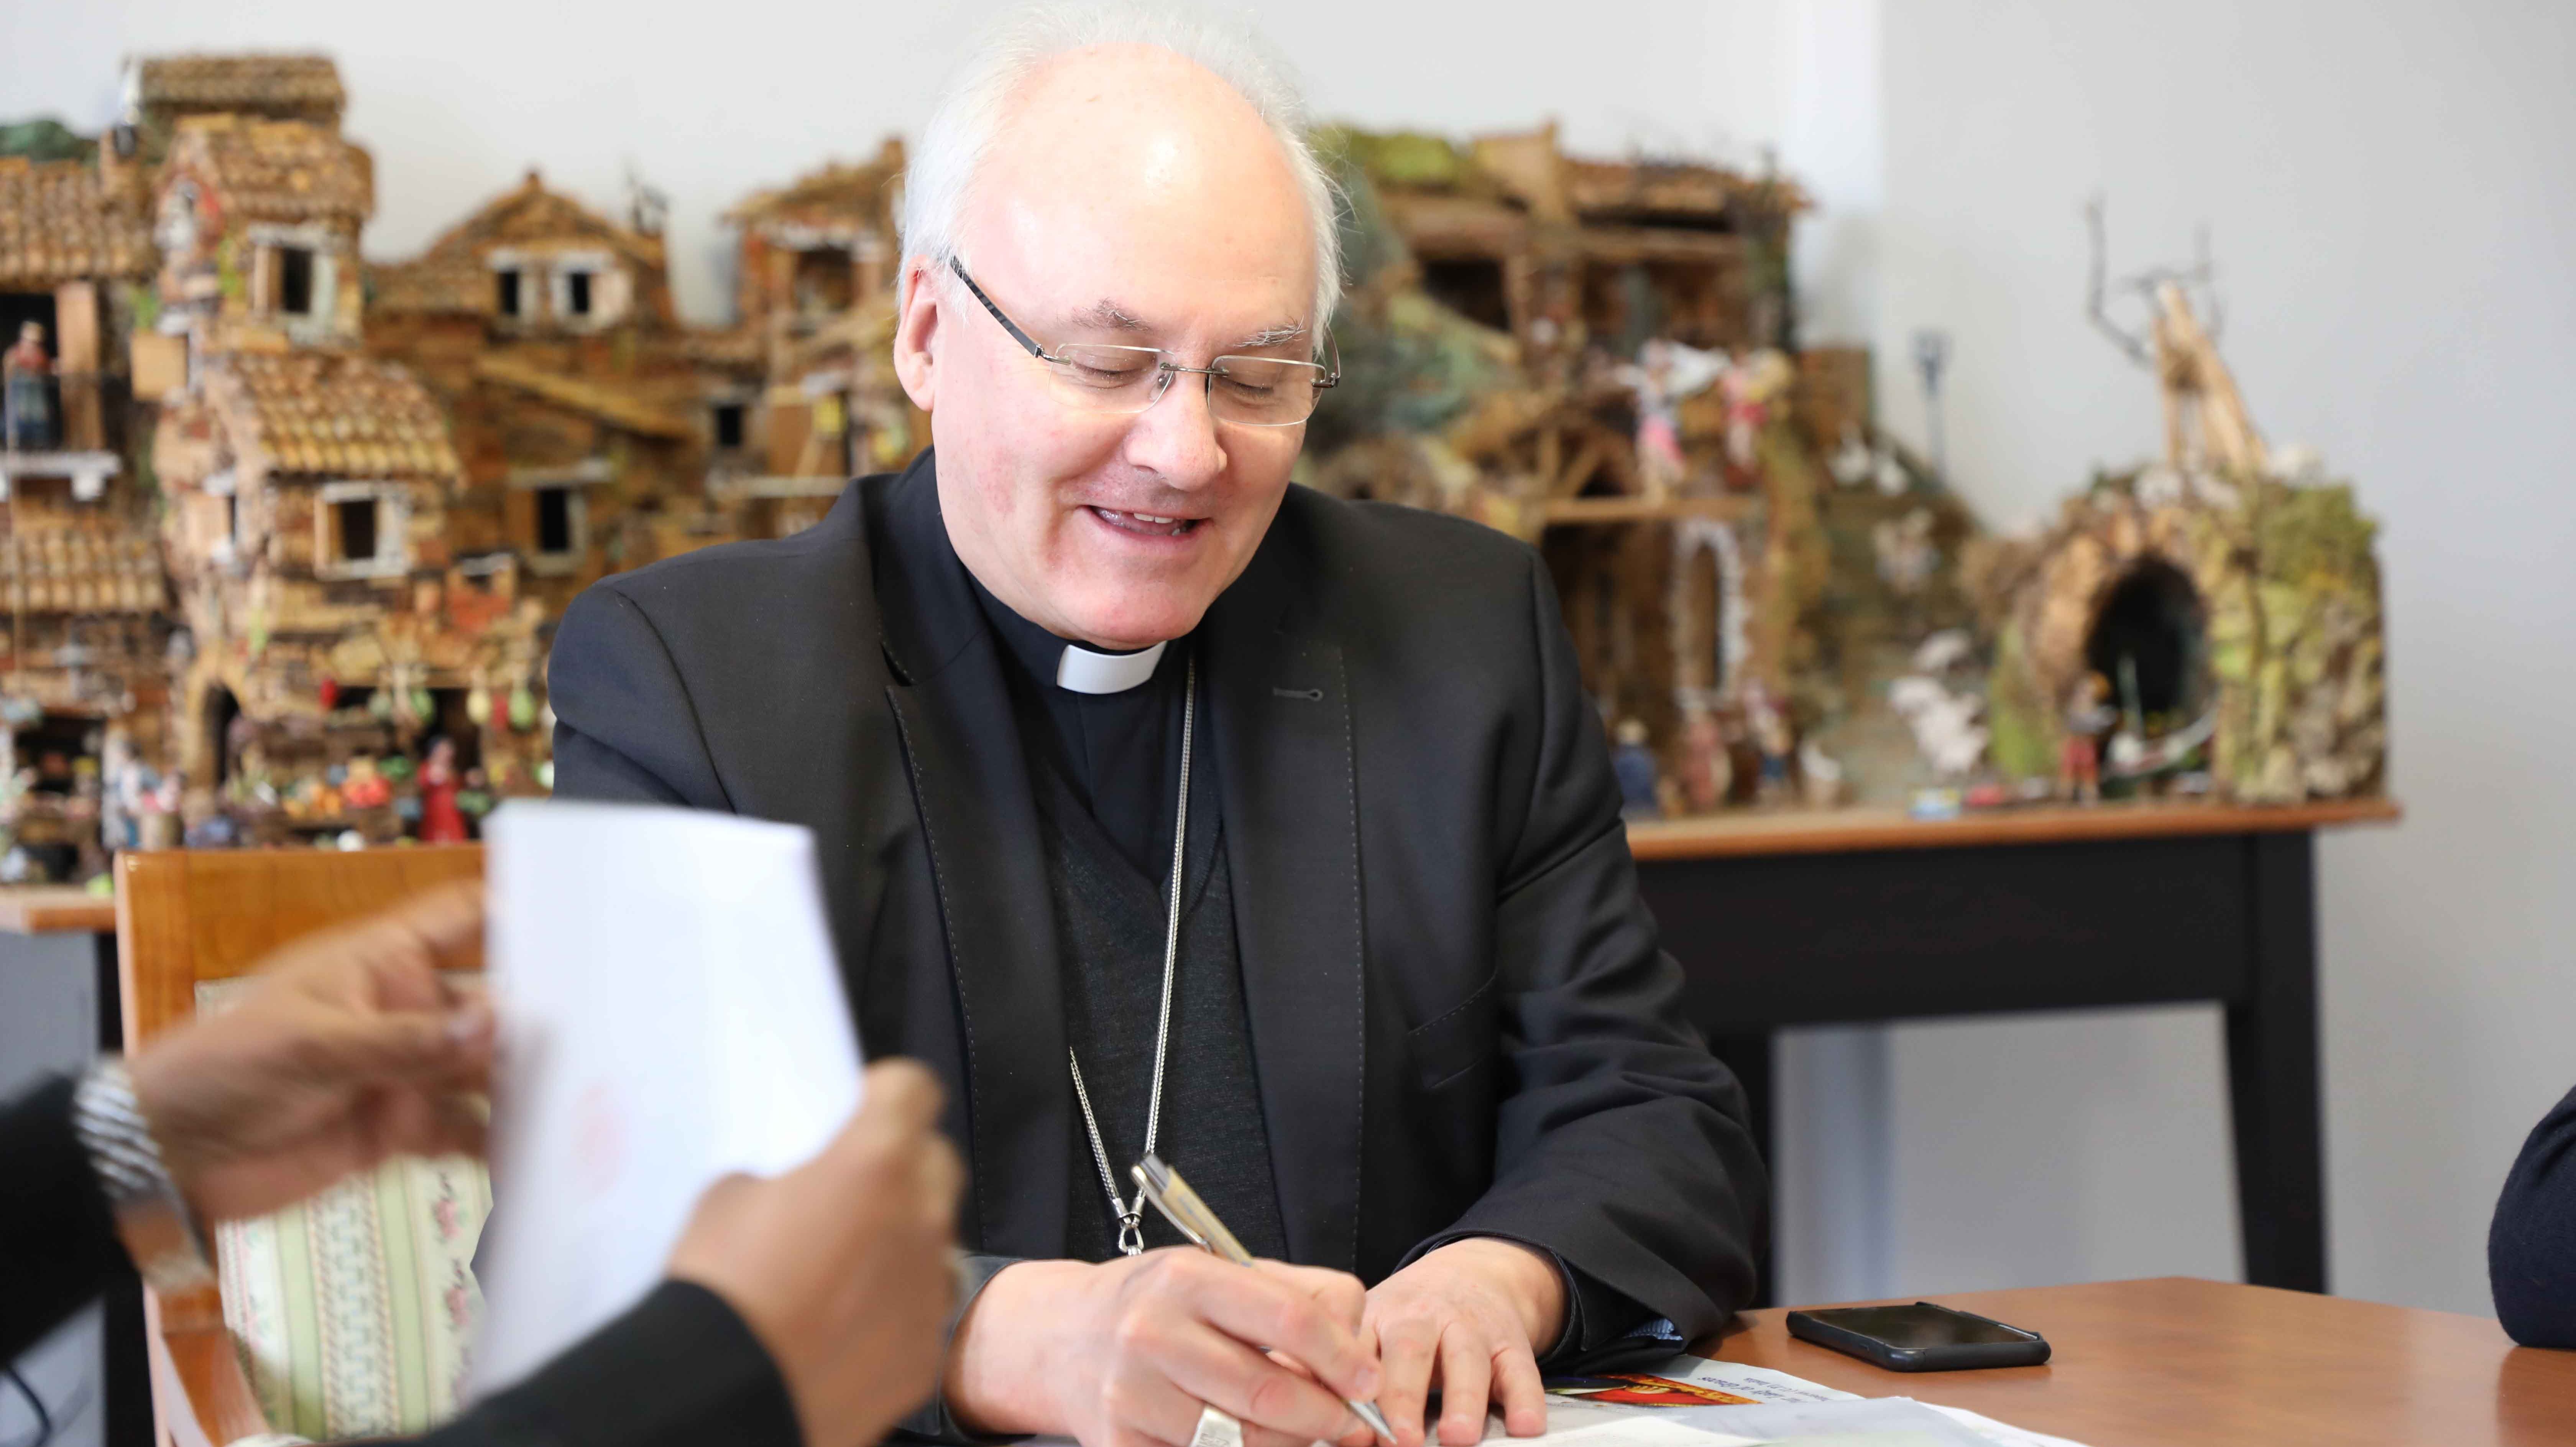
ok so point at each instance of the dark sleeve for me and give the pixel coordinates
(681, 1369)
(2531, 1248)
(933, 1422)
(1624, 1148)
(625, 726)
(58, 1243)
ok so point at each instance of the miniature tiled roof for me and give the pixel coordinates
(276, 170)
(606, 401)
(66, 570)
(331, 415)
(301, 87)
(451, 276)
(57, 225)
(836, 194)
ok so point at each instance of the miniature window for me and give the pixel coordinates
(511, 298)
(577, 293)
(730, 424)
(295, 280)
(1472, 287)
(825, 279)
(360, 527)
(353, 527)
(556, 534)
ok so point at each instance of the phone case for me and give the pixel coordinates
(1956, 1356)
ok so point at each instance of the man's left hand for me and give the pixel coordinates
(1470, 1317)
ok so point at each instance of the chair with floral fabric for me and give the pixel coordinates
(350, 1314)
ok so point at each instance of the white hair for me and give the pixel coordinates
(963, 125)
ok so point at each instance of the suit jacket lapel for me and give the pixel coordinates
(1283, 744)
(971, 786)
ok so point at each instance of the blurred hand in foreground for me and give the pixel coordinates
(350, 1047)
(842, 1267)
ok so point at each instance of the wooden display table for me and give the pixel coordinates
(2206, 1363)
(1855, 916)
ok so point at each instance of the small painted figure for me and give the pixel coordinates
(1707, 772)
(441, 822)
(30, 405)
(2079, 761)
(1634, 763)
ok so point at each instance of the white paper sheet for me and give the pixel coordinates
(670, 1012)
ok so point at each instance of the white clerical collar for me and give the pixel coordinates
(1084, 671)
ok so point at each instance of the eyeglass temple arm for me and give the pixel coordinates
(1008, 325)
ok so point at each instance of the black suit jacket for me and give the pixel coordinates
(2531, 1247)
(1461, 1020)
(679, 1368)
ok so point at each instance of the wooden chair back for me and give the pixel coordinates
(184, 917)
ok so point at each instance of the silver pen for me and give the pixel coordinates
(1191, 1217)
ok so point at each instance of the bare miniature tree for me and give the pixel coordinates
(2205, 418)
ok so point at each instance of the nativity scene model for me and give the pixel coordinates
(287, 530)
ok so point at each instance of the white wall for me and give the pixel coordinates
(708, 102)
(2386, 191)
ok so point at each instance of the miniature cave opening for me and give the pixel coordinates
(1472, 286)
(2150, 641)
(221, 708)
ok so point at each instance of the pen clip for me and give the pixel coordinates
(1188, 1214)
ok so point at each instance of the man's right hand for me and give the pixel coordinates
(843, 1267)
(1128, 1352)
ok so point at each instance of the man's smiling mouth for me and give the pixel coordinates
(1145, 524)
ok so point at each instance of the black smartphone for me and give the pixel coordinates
(1920, 1338)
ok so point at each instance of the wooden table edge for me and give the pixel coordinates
(44, 909)
(1849, 831)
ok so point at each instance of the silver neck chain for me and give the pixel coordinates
(1131, 1214)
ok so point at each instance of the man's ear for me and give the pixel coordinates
(916, 332)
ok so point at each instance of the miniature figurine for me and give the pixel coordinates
(1707, 772)
(1750, 387)
(30, 406)
(2079, 763)
(1664, 373)
(1634, 763)
(365, 787)
(440, 820)
(1772, 741)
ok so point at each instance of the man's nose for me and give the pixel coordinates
(1176, 437)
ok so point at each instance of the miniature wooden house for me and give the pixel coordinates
(547, 332)
(815, 291)
(307, 538)
(258, 224)
(1514, 344)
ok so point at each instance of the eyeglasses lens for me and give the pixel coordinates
(1251, 391)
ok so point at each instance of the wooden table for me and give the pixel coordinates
(2213, 1364)
(1857, 916)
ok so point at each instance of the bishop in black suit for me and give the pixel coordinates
(1419, 1030)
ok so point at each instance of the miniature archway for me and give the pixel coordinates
(1706, 607)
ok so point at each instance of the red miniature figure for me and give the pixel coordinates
(441, 822)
